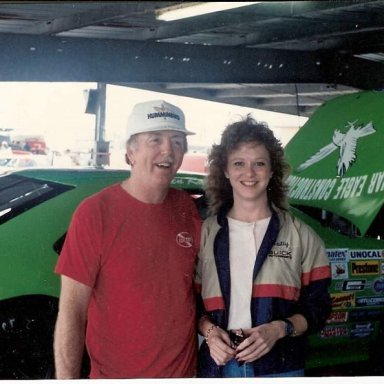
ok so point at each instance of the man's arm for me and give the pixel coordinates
(70, 328)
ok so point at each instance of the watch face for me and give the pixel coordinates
(289, 328)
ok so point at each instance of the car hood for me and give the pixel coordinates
(336, 158)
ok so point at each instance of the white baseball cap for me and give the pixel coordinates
(156, 115)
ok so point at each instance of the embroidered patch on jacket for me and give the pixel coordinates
(281, 250)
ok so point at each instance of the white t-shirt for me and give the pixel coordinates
(245, 240)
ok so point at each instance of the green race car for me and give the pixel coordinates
(36, 206)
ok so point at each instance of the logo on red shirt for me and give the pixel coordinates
(184, 239)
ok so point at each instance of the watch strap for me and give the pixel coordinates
(290, 330)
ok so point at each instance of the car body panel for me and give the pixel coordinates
(27, 261)
(336, 186)
(336, 158)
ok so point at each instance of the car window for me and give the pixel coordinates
(20, 193)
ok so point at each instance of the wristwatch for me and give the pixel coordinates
(290, 330)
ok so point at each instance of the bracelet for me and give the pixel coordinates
(210, 329)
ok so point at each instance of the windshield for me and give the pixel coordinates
(19, 194)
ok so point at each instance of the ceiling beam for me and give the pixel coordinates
(47, 58)
(250, 102)
(265, 90)
(276, 90)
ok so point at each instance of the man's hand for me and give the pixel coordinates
(70, 328)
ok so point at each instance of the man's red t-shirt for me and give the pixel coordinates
(139, 259)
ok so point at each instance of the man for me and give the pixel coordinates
(128, 261)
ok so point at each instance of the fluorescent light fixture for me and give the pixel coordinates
(377, 57)
(183, 11)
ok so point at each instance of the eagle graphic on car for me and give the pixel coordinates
(346, 142)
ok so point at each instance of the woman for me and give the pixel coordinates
(262, 273)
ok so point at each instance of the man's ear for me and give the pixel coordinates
(129, 157)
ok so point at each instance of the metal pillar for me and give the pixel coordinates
(100, 155)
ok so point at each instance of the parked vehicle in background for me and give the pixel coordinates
(24, 141)
(194, 162)
(337, 187)
(29, 142)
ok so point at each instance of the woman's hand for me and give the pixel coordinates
(259, 341)
(219, 346)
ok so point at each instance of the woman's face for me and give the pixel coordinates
(249, 172)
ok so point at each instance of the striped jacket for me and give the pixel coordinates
(291, 275)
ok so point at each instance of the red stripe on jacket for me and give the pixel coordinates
(318, 273)
(214, 303)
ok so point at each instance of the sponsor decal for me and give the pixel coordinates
(282, 250)
(339, 271)
(354, 285)
(366, 254)
(365, 314)
(334, 331)
(310, 189)
(362, 330)
(365, 268)
(302, 188)
(338, 286)
(338, 317)
(376, 183)
(369, 301)
(350, 187)
(378, 285)
(342, 300)
(192, 181)
(184, 239)
(281, 253)
(337, 255)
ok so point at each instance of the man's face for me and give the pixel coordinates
(156, 156)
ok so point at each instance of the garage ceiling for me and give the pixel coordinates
(288, 56)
